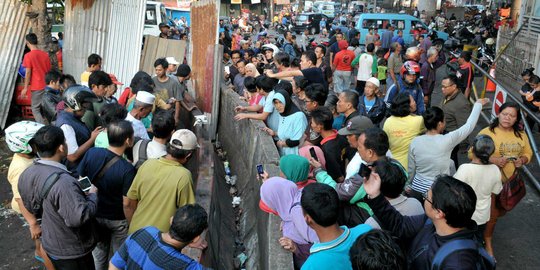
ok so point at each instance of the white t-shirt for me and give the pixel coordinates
(71, 139)
(153, 150)
(365, 67)
(354, 165)
(485, 180)
(138, 127)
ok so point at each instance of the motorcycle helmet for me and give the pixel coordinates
(490, 41)
(18, 136)
(413, 54)
(272, 47)
(76, 95)
(411, 68)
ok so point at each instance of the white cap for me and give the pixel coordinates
(374, 81)
(184, 139)
(172, 61)
(145, 97)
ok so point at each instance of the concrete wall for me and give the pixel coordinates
(246, 146)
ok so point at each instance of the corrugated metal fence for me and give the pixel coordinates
(523, 52)
(13, 27)
(112, 29)
(204, 20)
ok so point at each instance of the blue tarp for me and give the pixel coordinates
(177, 14)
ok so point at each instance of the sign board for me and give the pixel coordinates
(236, 2)
(498, 101)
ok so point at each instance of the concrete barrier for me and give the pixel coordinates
(246, 146)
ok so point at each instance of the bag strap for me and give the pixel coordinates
(143, 155)
(46, 188)
(143, 150)
(449, 248)
(105, 168)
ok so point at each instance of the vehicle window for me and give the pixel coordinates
(302, 18)
(399, 24)
(419, 23)
(150, 16)
(380, 24)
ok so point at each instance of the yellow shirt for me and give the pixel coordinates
(85, 76)
(401, 131)
(16, 168)
(509, 146)
(161, 186)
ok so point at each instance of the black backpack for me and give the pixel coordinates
(485, 262)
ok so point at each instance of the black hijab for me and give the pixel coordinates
(290, 107)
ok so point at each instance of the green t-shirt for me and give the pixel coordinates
(381, 72)
(161, 186)
(91, 117)
(102, 141)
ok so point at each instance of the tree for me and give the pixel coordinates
(41, 26)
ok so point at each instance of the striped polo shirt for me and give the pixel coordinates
(145, 249)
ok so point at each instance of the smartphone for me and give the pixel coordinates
(260, 169)
(313, 154)
(227, 70)
(85, 183)
(364, 171)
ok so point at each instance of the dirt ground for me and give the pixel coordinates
(15, 242)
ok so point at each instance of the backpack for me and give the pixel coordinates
(486, 262)
(143, 156)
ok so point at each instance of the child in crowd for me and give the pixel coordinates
(381, 75)
(320, 205)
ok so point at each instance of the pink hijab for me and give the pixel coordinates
(304, 151)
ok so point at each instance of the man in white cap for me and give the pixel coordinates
(163, 185)
(144, 102)
(370, 104)
(173, 65)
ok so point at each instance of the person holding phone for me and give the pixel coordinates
(106, 168)
(67, 231)
(295, 168)
(512, 151)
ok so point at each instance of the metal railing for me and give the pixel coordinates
(528, 130)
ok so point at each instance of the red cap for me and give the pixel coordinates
(114, 79)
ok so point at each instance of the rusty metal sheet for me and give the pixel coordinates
(14, 26)
(204, 21)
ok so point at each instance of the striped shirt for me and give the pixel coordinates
(145, 249)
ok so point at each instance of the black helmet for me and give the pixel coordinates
(76, 95)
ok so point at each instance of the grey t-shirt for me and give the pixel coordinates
(169, 89)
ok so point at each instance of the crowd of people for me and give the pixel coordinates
(102, 180)
(370, 171)
(370, 175)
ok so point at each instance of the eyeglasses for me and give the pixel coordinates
(425, 196)
(446, 86)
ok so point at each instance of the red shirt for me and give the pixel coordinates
(38, 61)
(343, 60)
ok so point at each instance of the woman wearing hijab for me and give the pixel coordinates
(251, 70)
(292, 124)
(304, 151)
(281, 197)
(296, 169)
